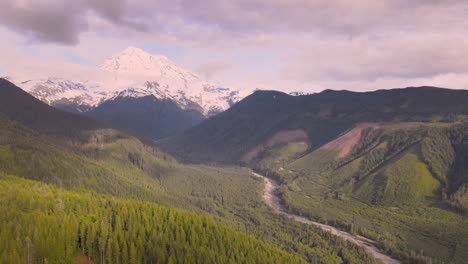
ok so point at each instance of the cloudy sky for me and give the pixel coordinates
(307, 45)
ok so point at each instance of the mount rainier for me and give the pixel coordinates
(132, 73)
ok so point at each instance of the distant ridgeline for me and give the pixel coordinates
(323, 116)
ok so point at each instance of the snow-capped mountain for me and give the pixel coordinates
(132, 73)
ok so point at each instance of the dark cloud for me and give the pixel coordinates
(42, 21)
(62, 21)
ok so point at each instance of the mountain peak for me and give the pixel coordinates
(134, 51)
(137, 61)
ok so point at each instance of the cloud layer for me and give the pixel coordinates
(311, 41)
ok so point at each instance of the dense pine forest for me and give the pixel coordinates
(43, 224)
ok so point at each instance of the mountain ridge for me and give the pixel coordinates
(14, 97)
(322, 115)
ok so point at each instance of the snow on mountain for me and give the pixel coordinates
(136, 61)
(133, 73)
(54, 89)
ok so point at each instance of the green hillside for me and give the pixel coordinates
(402, 184)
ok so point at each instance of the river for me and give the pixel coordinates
(270, 195)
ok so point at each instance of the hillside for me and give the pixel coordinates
(18, 105)
(403, 184)
(112, 167)
(250, 124)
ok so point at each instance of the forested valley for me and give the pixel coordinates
(74, 190)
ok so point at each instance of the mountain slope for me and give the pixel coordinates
(152, 117)
(250, 124)
(18, 105)
(402, 184)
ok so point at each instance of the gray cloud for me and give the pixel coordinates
(319, 39)
(62, 21)
(59, 22)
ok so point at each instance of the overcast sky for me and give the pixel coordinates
(289, 45)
